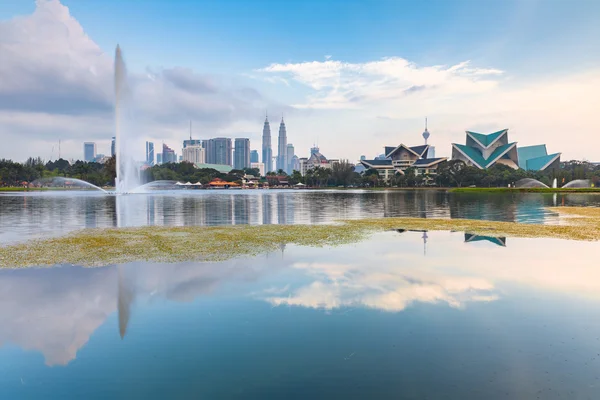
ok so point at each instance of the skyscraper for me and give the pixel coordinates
(89, 151)
(168, 155)
(159, 158)
(149, 153)
(282, 147)
(112, 146)
(289, 168)
(194, 154)
(190, 141)
(267, 152)
(254, 156)
(242, 153)
(218, 151)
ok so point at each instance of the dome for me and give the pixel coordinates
(426, 134)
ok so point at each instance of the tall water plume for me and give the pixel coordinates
(127, 172)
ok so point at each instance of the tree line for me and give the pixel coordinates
(453, 173)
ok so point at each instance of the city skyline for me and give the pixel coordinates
(334, 86)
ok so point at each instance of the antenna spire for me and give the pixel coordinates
(190, 129)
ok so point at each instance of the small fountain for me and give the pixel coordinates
(59, 182)
(554, 184)
(578, 183)
(529, 183)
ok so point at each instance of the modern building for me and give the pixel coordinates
(159, 158)
(218, 151)
(192, 142)
(267, 151)
(282, 147)
(294, 164)
(194, 154)
(113, 144)
(254, 156)
(303, 165)
(289, 168)
(536, 158)
(168, 155)
(486, 150)
(89, 151)
(398, 159)
(260, 166)
(316, 159)
(149, 153)
(241, 153)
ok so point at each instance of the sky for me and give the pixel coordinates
(351, 76)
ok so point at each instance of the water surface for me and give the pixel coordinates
(42, 214)
(402, 315)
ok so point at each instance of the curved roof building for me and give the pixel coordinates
(486, 150)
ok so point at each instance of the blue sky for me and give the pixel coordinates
(528, 41)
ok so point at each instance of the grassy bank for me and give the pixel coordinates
(524, 190)
(170, 244)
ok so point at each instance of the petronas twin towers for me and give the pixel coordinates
(267, 152)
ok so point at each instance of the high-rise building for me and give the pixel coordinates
(218, 151)
(267, 151)
(295, 164)
(194, 154)
(241, 153)
(289, 168)
(282, 147)
(149, 153)
(260, 166)
(168, 155)
(254, 156)
(113, 146)
(89, 151)
(159, 158)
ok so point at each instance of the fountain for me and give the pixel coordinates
(529, 183)
(127, 171)
(578, 183)
(65, 183)
(554, 184)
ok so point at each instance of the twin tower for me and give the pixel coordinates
(267, 151)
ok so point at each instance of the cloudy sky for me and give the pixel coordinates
(351, 75)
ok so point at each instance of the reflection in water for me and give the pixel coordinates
(24, 216)
(500, 241)
(56, 310)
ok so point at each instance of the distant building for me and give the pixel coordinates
(219, 167)
(89, 151)
(192, 142)
(295, 164)
(194, 154)
(484, 151)
(113, 147)
(282, 147)
(289, 156)
(267, 151)
(149, 153)
(159, 158)
(168, 155)
(254, 156)
(317, 159)
(303, 165)
(363, 158)
(241, 153)
(397, 159)
(260, 166)
(218, 151)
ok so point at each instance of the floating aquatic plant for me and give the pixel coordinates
(93, 247)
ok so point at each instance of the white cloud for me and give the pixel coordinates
(56, 83)
(346, 85)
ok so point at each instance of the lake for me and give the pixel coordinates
(403, 314)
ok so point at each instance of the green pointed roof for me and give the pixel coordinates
(539, 163)
(486, 140)
(472, 153)
(529, 152)
(499, 152)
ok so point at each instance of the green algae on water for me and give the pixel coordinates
(94, 247)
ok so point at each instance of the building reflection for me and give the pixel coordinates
(470, 238)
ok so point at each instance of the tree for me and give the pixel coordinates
(342, 173)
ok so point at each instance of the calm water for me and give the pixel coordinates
(409, 315)
(35, 215)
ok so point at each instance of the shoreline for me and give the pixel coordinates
(99, 247)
